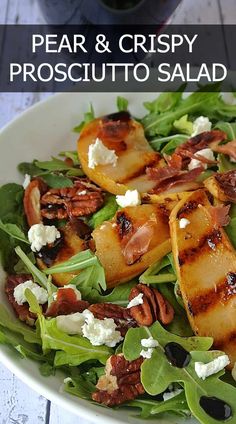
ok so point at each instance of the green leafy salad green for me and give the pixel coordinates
(166, 387)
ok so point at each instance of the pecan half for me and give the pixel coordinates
(82, 199)
(121, 382)
(120, 315)
(22, 311)
(227, 183)
(154, 307)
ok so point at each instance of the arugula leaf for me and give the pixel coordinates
(71, 154)
(14, 231)
(53, 165)
(177, 405)
(225, 164)
(11, 196)
(38, 276)
(16, 326)
(29, 168)
(164, 102)
(119, 295)
(122, 103)
(88, 117)
(229, 128)
(79, 387)
(197, 103)
(170, 143)
(132, 343)
(79, 261)
(157, 382)
(183, 125)
(75, 349)
(57, 181)
(90, 281)
(105, 213)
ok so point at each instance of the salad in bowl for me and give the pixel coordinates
(120, 259)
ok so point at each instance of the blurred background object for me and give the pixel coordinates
(108, 11)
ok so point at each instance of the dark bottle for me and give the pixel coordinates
(130, 12)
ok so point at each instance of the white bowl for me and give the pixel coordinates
(43, 130)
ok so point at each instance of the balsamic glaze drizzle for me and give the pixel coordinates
(177, 355)
(216, 408)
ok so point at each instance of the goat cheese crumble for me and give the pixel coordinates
(205, 370)
(195, 163)
(71, 324)
(99, 154)
(40, 235)
(147, 354)
(100, 332)
(39, 292)
(228, 98)
(183, 223)
(26, 181)
(172, 394)
(131, 198)
(97, 331)
(200, 125)
(137, 300)
(150, 342)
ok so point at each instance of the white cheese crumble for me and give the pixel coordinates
(205, 370)
(150, 342)
(138, 300)
(228, 98)
(40, 235)
(234, 372)
(131, 198)
(99, 154)
(71, 324)
(183, 223)
(26, 181)
(73, 287)
(100, 332)
(39, 292)
(201, 125)
(147, 354)
(195, 163)
(172, 394)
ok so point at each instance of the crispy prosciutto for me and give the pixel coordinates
(174, 180)
(22, 311)
(220, 215)
(199, 142)
(139, 242)
(228, 148)
(66, 303)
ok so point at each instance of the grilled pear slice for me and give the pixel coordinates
(205, 262)
(125, 136)
(71, 245)
(133, 240)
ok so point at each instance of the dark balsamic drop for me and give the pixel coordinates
(216, 408)
(177, 355)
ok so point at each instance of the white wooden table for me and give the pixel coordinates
(18, 403)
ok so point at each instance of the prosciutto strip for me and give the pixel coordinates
(220, 215)
(227, 149)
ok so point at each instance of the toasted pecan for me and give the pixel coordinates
(153, 308)
(120, 315)
(121, 383)
(83, 199)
